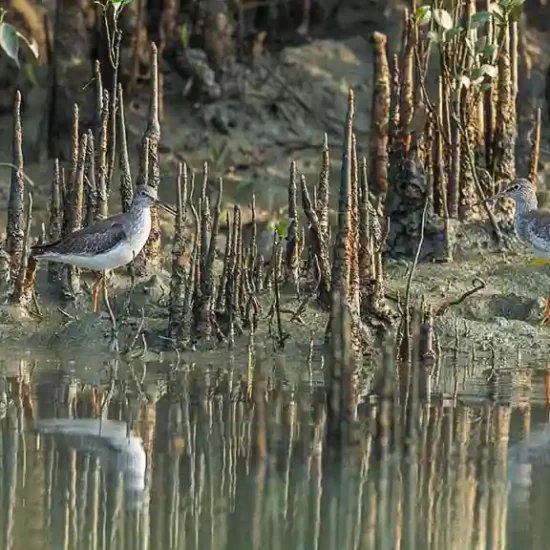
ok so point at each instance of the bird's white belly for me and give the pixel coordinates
(121, 254)
(118, 256)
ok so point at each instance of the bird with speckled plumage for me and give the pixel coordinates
(532, 224)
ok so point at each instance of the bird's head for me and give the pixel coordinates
(147, 196)
(520, 190)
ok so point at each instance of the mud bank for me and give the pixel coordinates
(502, 317)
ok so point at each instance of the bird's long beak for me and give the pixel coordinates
(494, 198)
(165, 207)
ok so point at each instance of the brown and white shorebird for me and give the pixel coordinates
(531, 224)
(109, 243)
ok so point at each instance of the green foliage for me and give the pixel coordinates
(479, 19)
(423, 15)
(282, 228)
(443, 30)
(185, 34)
(10, 39)
(443, 19)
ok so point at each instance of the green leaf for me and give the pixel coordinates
(516, 12)
(479, 19)
(123, 2)
(451, 33)
(504, 3)
(31, 75)
(9, 41)
(489, 51)
(32, 44)
(480, 44)
(282, 227)
(490, 70)
(443, 19)
(184, 34)
(496, 11)
(464, 81)
(476, 76)
(423, 15)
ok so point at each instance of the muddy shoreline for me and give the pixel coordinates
(501, 318)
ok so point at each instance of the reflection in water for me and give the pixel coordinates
(109, 440)
(212, 463)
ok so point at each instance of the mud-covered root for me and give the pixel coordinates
(151, 251)
(23, 288)
(209, 233)
(70, 282)
(535, 151)
(126, 187)
(503, 158)
(102, 199)
(55, 226)
(345, 254)
(140, 261)
(374, 309)
(185, 335)
(319, 246)
(292, 251)
(180, 258)
(278, 334)
(74, 207)
(16, 215)
(380, 115)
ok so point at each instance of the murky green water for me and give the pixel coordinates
(195, 457)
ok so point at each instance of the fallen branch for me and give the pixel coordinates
(478, 284)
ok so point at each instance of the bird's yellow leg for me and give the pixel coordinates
(546, 317)
(95, 292)
(538, 261)
(105, 293)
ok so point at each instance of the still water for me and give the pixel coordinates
(196, 458)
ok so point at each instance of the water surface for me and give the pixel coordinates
(195, 457)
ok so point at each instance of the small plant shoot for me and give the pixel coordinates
(480, 66)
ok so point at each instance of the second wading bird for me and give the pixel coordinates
(532, 224)
(109, 243)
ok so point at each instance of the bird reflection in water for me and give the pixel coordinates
(118, 449)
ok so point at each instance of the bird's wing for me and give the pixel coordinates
(103, 235)
(535, 227)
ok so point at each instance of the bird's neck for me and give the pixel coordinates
(138, 208)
